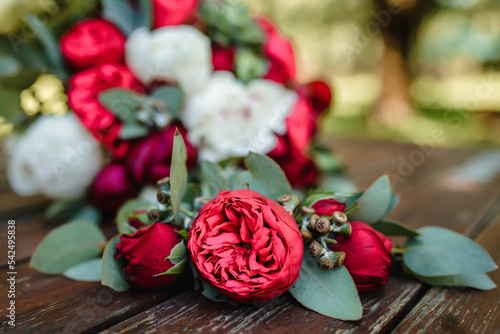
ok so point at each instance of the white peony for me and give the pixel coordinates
(229, 119)
(178, 54)
(55, 157)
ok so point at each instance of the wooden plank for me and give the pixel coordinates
(452, 310)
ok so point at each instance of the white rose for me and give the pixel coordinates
(180, 54)
(229, 119)
(55, 157)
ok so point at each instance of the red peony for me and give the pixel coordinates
(83, 94)
(112, 187)
(246, 246)
(173, 12)
(368, 256)
(326, 207)
(146, 253)
(149, 160)
(92, 42)
(279, 52)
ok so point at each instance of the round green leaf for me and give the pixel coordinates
(112, 268)
(88, 271)
(441, 252)
(331, 293)
(374, 202)
(67, 246)
(392, 228)
(213, 179)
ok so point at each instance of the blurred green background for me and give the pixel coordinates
(403, 70)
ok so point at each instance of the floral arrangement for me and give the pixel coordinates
(121, 83)
(201, 101)
(249, 238)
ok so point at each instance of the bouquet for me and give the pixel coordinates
(201, 101)
(249, 238)
(99, 128)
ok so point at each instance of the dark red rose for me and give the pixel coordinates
(112, 186)
(83, 94)
(318, 93)
(246, 246)
(368, 256)
(291, 153)
(326, 207)
(173, 12)
(149, 159)
(92, 42)
(279, 52)
(146, 253)
(222, 58)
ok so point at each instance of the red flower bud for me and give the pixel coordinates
(327, 207)
(145, 252)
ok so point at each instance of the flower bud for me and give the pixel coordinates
(325, 263)
(288, 209)
(163, 181)
(308, 210)
(291, 201)
(322, 225)
(163, 196)
(315, 249)
(312, 221)
(306, 235)
(339, 217)
(345, 229)
(331, 259)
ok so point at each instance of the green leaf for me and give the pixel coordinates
(374, 202)
(391, 227)
(177, 269)
(182, 234)
(477, 281)
(9, 66)
(123, 103)
(22, 80)
(67, 246)
(88, 213)
(172, 96)
(48, 41)
(11, 109)
(331, 293)
(146, 12)
(352, 200)
(265, 176)
(178, 253)
(214, 295)
(326, 160)
(126, 211)
(392, 204)
(249, 65)
(213, 179)
(192, 191)
(113, 269)
(339, 196)
(120, 13)
(178, 173)
(64, 210)
(88, 271)
(132, 130)
(441, 252)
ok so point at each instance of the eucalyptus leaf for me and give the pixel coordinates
(214, 295)
(352, 200)
(392, 204)
(113, 269)
(88, 213)
(172, 97)
(67, 246)
(441, 252)
(331, 293)
(9, 65)
(265, 176)
(477, 281)
(120, 13)
(374, 202)
(178, 253)
(63, 210)
(249, 65)
(132, 130)
(391, 227)
(126, 210)
(312, 199)
(146, 13)
(213, 179)
(193, 191)
(178, 173)
(177, 269)
(123, 103)
(88, 271)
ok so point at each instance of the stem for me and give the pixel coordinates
(187, 212)
(397, 250)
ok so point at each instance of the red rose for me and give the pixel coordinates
(279, 52)
(291, 153)
(149, 159)
(246, 246)
(83, 94)
(146, 253)
(318, 93)
(92, 42)
(112, 187)
(222, 58)
(173, 12)
(327, 207)
(368, 255)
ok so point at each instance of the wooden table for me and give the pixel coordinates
(55, 304)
